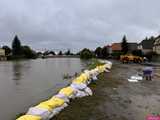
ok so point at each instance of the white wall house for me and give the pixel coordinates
(2, 55)
(146, 46)
(156, 47)
(2, 52)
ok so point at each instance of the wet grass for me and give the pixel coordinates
(94, 63)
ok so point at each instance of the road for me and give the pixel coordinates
(117, 99)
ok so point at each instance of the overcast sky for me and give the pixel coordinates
(75, 24)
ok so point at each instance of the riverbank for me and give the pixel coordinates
(115, 98)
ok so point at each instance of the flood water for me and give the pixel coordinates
(26, 83)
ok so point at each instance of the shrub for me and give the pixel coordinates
(86, 54)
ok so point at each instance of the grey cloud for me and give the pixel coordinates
(75, 24)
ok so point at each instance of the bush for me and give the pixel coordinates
(28, 52)
(137, 53)
(86, 54)
(116, 55)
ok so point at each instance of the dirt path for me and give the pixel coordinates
(115, 98)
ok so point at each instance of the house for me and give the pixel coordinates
(2, 54)
(156, 46)
(109, 49)
(116, 47)
(146, 46)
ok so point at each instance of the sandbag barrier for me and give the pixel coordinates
(77, 89)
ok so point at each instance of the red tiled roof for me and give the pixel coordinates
(116, 46)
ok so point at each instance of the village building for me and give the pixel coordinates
(146, 46)
(2, 55)
(156, 46)
(116, 47)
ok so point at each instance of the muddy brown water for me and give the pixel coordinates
(115, 98)
(26, 83)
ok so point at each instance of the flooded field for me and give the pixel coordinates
(25, 83)
(117, 99)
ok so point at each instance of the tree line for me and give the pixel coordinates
(18, 50)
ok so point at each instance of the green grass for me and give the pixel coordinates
(94, 63)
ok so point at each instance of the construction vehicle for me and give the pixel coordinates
(131, 58)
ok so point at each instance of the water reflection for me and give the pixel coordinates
(17, 69)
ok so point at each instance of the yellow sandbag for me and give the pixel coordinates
(44, 106)
(84, 76)
(79, 80)
(56, 101)
(67, 91)
(101, 68)
(87, 74)
(51, 104)
(29, 117)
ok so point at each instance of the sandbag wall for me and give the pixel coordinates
(77, 89)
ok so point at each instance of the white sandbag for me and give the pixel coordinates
(137, 77)
(78, 86)
(72, 96)
(57, 110)
(132, 80)
(81, 94)
(96, 71)
(87, 73)
(108, 62)
(89, 81)
(106, 70)
(88, 91)
(43, 113)
(62, 96)
(94, 78)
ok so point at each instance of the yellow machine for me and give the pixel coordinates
(131, 58)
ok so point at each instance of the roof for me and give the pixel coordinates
(116, 47)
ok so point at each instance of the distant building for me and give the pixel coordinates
(146, 46)
(156, 46)
(2, 54)
(109, 49)
(116, 47)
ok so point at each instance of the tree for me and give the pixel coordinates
(86, 54)
(60, 53)
(7, 50)
(98, 52)
(68, 52)
(105, 52)
(28, 52)
(124, 45)
(52, 52)
(16, 46)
